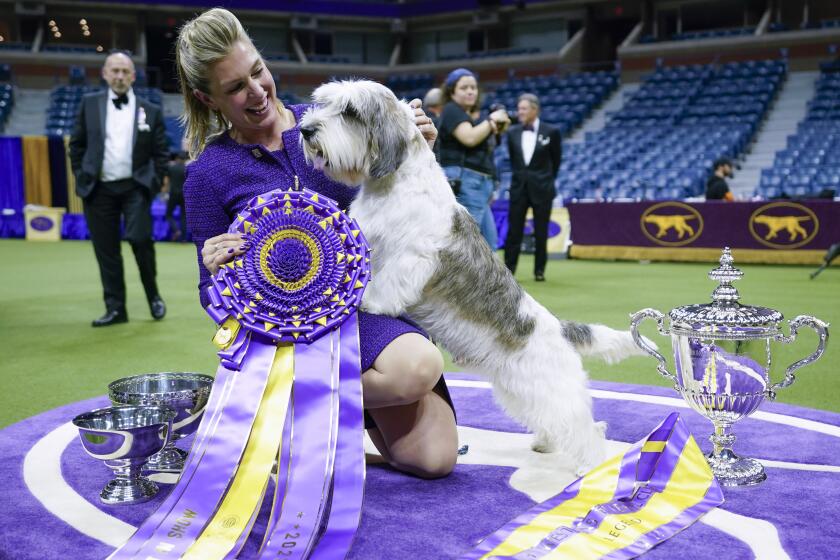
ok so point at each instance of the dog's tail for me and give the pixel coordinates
(597, 340)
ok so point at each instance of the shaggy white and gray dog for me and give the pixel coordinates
(429, 261)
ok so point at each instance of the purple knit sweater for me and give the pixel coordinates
(227, 175)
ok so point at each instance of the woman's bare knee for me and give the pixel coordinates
(425, 463)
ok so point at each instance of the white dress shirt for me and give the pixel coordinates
(119, 138)
(529, 142)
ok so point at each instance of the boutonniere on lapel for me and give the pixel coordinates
(142, 125)
(543, 140)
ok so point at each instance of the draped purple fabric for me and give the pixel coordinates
(11, 173)
(58, 170)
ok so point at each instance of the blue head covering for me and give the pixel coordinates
(456, 75)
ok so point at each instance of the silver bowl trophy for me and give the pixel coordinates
(125, 437)
(722, 359)
(187, 393)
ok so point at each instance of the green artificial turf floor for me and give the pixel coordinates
(52, 356)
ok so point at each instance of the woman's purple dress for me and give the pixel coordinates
(227, 175)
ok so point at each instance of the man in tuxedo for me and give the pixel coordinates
(119, 152)
(534, 149)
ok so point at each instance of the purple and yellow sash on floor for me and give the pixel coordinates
(287, 394)
(619, 510)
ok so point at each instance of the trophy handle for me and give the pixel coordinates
(807, 321)
(164, 433)
(637, 318)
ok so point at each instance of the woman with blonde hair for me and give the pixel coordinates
(246, 142)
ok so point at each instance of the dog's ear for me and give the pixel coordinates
(387, 137)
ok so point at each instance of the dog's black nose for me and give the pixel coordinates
(307, 132)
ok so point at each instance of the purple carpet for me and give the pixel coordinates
(50, 509)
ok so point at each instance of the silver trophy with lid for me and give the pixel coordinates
(722, 358)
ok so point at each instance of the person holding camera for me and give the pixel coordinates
(465, 148)
(535, 150)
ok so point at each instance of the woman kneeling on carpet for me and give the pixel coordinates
(256, 148)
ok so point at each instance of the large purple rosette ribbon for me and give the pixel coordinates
(288, 394)
(619, 510)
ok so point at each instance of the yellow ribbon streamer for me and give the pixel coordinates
(596, 488)
(245, 494)
(687, 486)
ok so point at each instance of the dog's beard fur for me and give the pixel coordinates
(429, 260)
(337, 158)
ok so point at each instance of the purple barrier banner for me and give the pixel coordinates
(767, 226)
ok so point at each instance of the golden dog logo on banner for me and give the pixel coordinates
(784, 225)
(671, 224)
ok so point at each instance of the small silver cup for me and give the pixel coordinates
(186, 393)
(124, 437)
(722, 357)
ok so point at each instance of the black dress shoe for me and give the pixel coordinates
(539, 277)
(158, 308)
(112, 317)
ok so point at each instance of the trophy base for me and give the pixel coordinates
(170, 459)
(731, 470)
(121, 491)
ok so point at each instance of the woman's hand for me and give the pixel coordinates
(424, 123)
(221, 249)
(500, 117)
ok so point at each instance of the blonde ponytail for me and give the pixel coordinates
(202, 42)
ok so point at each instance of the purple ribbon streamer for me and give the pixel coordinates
(349, 477)
(204, 490)
(312, 450)
(222, 387)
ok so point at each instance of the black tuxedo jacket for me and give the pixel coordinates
(537, 178)
(87, 144)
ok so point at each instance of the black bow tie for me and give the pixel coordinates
(529, 127)
(120, 100)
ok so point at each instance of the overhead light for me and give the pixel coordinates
(82, 21)
(99, 48)
(2, 38)
(85, 27)
(52, 22)
(57, 35)
(86, 33)
(54, 28)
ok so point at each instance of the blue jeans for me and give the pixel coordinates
(476, 189)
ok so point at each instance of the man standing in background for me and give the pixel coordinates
(433, 104)
(118, 152)
(535, 151)
(716, 186)
(173, 185)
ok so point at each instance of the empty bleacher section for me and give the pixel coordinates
(810, 163)
(566, 101)
(491, 53)
(663, 142)
(410, 86)
(777, 27)
(701, 34)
